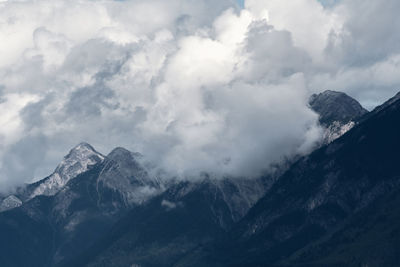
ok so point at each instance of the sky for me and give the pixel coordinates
(194, 85)
(240, 3)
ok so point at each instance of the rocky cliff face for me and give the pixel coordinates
(333, 106)
(123, 174)
(337, 112)
(80, 159)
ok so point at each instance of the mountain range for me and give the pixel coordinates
(337, 206)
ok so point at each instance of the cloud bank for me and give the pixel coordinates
(193, 85)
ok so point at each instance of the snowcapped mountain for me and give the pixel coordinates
(86, 194)
(79, 159)
(337, 111)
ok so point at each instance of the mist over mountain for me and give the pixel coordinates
(97, 210)
(335, 207)
(68, 211)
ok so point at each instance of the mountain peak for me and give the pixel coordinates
(333, 106)
(125, 173)
(79, 159)
(330, 93)
(82, 151)
(120, 153)
(83, 146)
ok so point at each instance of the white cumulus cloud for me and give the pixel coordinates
(195, 86)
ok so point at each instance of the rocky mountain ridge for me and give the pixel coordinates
(81, 158)
(337, 111)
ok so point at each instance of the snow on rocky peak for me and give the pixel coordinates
(9, 203)
(336, 130)
(338, 113)
(78, 160)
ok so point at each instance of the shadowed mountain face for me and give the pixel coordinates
(335, 207)
(168, 227)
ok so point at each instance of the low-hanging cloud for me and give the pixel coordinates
(195, 86)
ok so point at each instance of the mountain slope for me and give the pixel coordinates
(75, 214)
(184, 217)
(78, 160)
(26, 236)
(88, 205)
(316, 198)
(165, 220)
(370, 238)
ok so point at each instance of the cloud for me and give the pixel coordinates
(170, 205)
(193, 85)
(308, 21)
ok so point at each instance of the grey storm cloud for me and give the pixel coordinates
(194, 86)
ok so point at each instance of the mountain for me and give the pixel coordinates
(80, 159)
(166, 227)
(67, 211)
(90, 197)
(337, 112)
(338, 206)
(178, 221)
(126, 179)
(336, 106)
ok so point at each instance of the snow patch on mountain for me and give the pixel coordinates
(336, 130)
(338, 113)
(79, 160)
(9, 203)
(334, 106)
